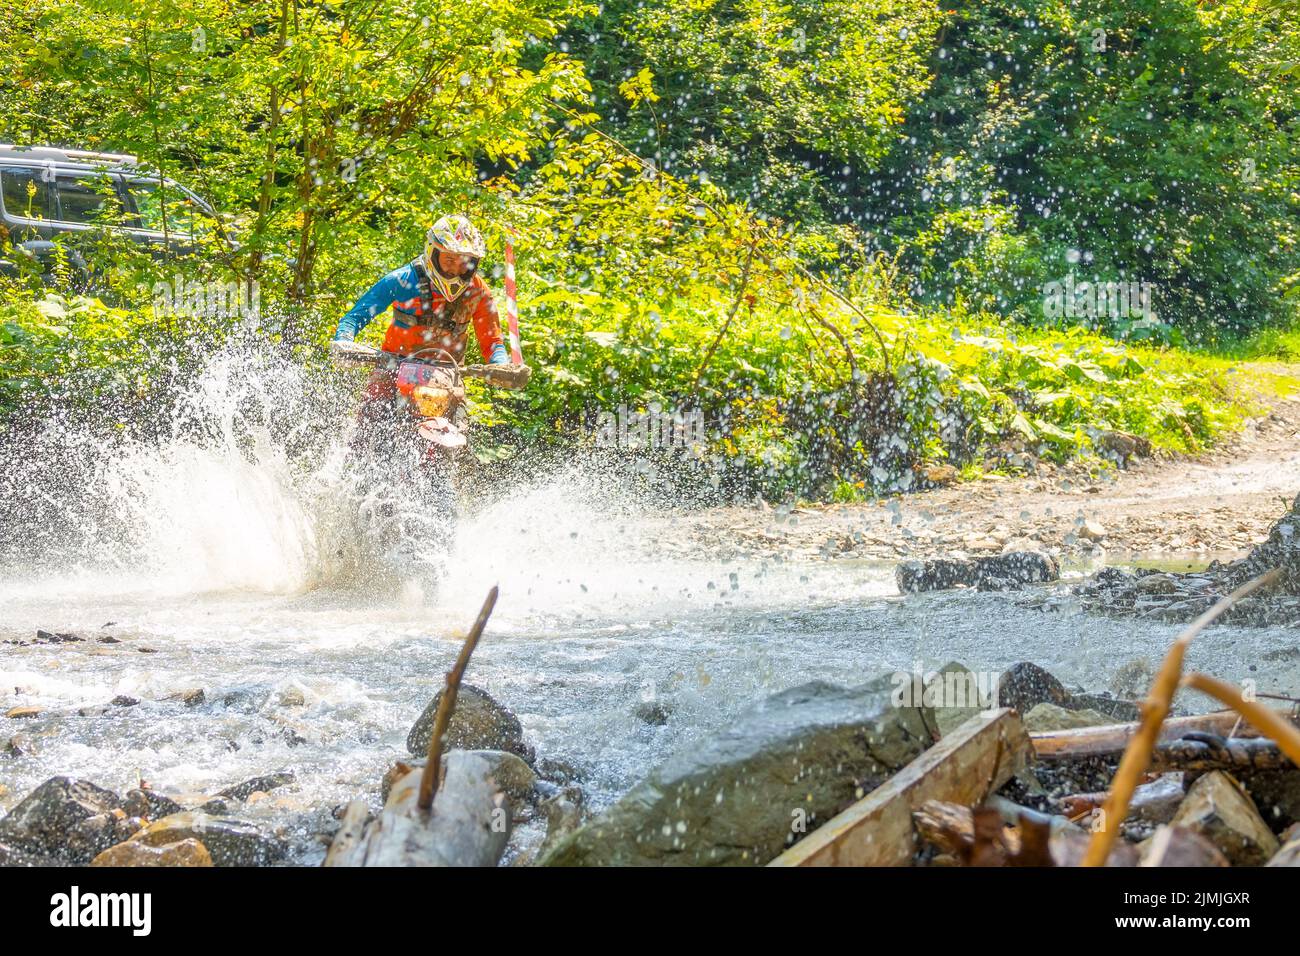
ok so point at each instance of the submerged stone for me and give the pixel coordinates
(743, 794)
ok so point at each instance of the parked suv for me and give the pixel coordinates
(47, 193)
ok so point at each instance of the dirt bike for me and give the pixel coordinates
(407, 446)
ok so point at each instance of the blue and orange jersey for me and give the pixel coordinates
(422, 318)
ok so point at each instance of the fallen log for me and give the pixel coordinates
(1266, 720)
(965, 767)
(1111, 739)
(1196, 750)
(469, 824)
(453, 813)
(350, 832)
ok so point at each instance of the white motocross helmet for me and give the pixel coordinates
(457, 235)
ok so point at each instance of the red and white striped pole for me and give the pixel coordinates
(512, 304)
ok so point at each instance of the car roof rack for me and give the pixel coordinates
(57, 154)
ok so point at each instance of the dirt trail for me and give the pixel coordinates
(1217, 504)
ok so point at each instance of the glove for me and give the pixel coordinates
(499, 356)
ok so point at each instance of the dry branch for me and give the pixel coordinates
(1137, 756)
(433, 767)
(1268, 721)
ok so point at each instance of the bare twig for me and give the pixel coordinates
(1137, 756)
(431, 777)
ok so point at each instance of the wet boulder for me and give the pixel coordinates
(230, 842)
(265, 784)
(1024, 686)
(65, 818)
(936, 574)
(136, 853)
(1048, 717)
(999, 572)
(1219, 809)
(743, 794)
(563, 816)
(478, 722)
(149, 804)
(12, 856)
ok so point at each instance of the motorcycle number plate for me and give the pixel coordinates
(410, 375)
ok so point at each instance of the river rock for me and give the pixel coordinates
(22, 713)
(1068, 846)
(651, 712)
(13, 857)
(54, 637)
(1218, 808)
(195, 697)
(993, 573)
(17, 745)
(1091, 530)
(1157, 801)
(956, 695)
(142, 802)
(137, 853)
(46, 822)
(477, 723)
(557, 770)
(1289, 855)
(1179, 846)
(515, 778)
(738, 796)
(266, 783)
(1046, 717)
(563, 816)
(230, 842)
(1025, 685)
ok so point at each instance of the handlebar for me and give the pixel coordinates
(502, 376)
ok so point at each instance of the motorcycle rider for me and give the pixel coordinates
(435, 298)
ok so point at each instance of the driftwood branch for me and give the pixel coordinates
(1268, 721)
(1110, 740)
(433, 766)
(1137, 756)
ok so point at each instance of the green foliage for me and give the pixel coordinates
(940, 165)
(78, 349)
(1154, 140)
(785, 104)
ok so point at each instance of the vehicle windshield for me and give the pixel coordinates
(184, 216)
(88, 199)
(24, 192)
